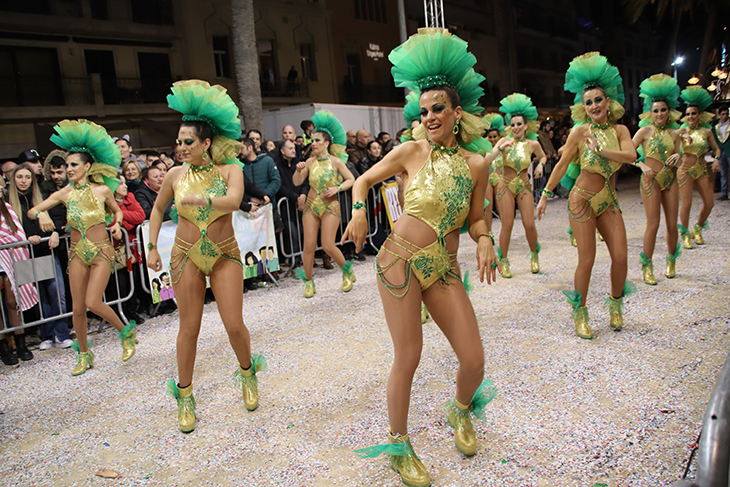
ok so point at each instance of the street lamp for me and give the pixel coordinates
(676, 63)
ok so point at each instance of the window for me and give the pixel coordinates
(157, 12)
(309, 67)
(43, 7)
(30, 77)
(222, 57)
(371, 10)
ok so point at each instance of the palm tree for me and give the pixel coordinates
(504, 27)
(246, 64)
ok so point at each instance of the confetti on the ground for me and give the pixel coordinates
(620, 410)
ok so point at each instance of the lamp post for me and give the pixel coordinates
(676, 63)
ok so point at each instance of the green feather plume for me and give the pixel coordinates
(659, 87)
(75, 345)
(467, 284)
(412, 110)
(696, 96)
(591, 70)
(197, 100)
(483, 396)
(496, 121)
(325, 121)
(574, 298)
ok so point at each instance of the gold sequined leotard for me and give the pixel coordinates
(322, 176)
(659, 147)
(518, 156)
(697, 147)
(581, 201)
(439, 195)
(83, 211)
(204, 181)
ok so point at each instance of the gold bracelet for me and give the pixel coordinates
(490, 237)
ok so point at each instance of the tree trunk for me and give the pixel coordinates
(246, 64)
(707, 41)
(503, 29)
(677, 18)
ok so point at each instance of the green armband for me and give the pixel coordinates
(547, 192)
(358, 205)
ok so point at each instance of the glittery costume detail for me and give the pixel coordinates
(83, 211)
(698, 147)
(439, 195)
(204, 181)
(518, 157)
(659, 147)
(322, 176)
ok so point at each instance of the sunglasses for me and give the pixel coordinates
(590, 102)
(662, 110)
(187, 142)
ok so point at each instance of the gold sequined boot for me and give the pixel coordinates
(459, 418)
(581, 323)
(535, 260)
(506, 272)
(697, 234)
(84, 360)
(185, 405)
(672, 262)
(309, 289)
(686, 237)
(647, 269)
(128, 335)
(573, 242)
(249, 382)
(348, 276)
(616, 307)
(411, 469)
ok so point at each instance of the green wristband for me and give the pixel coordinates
(358, 205)
(547, 192)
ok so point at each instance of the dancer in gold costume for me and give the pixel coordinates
(659, 141)
(697, 139)
(494, 134)
(446, 183)
(601, 146)
(328, 176)
(514, 184)
(206, 189)
(91, 165)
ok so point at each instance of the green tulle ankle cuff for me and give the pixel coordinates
(258, 364)
(394, 449)
(75, 345)
(629, 288)
(677, 253)
(704, 226)
(570, 230)
(467, 284)
(682, 229)
(614, 304)
(300, 274)
(347, 267)
(574, 299)
(172, 389)
(483, 396)
(127, 330)
(499, 253)
(644, 261)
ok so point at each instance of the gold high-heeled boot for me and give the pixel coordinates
(686, 237)
(249, 382)
(506, 272)
(459, 418)
(411, 469)
(128, 335)
(84, 360)
(572, 237)
(309, 289)
(647, 269)
(185, 405)
(615, 308)
(534, 260)
(672, 262)
(582, 328)
(697, 234)
(348, 276)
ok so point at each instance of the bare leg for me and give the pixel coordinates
(652, 208)
(12, 304)
(330, 225)
(98, 280)
(526, 204)
(507, 217)
(685, 193)
(611, 226)
(310, 226)
(453, 313)
(585, 236)
(78, 277)
(670, 202)
(705, 189)
(226, 280)
(190, 297)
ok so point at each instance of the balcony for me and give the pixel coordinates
(277, 87)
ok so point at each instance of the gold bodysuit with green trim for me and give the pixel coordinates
(322, 176)
(83, 211)
(697, 147)
(518, 156)
(439, 195)
(204, 181)
(659, 147)
(581, 201)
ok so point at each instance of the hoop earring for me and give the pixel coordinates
(205, 155)
(455, 130)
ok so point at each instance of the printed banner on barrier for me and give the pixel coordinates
(256, 240)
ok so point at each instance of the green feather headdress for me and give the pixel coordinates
(325, 121)
(85, 136)
(198, 101)
(495, 122)
(434, 57)
(697, 96)
(591, 70)
(519, 104)
(411, 112)
(660, 87)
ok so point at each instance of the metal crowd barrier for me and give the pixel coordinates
(713, 460)
(37, 269)
(377, 219)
